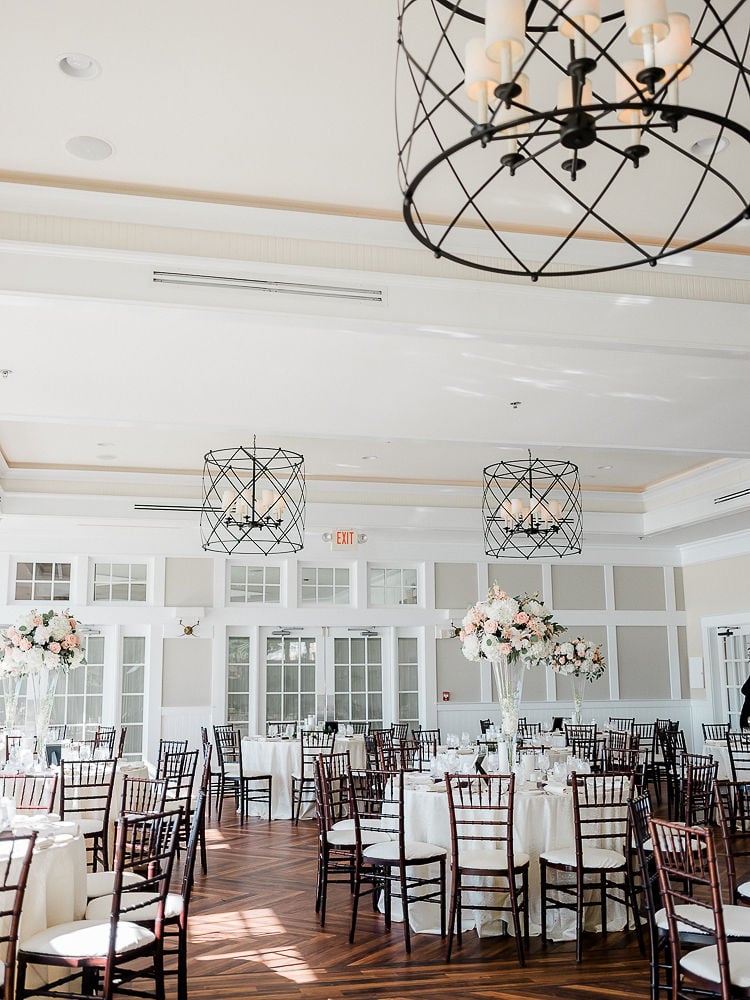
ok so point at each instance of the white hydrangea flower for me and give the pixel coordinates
(471, 647)
(59, 626)
(26, 622)
(42, 634)
(51, 660)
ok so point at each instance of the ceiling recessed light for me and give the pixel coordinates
(704, 147)
(105, 444)
(107, 457)
(5, 372)
(79, 66)
(89, 147)
(604, 466)
(369, 458)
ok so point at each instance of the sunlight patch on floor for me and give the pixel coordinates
(244, 926)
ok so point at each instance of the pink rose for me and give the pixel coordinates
(506, 648)
(521, 618)
(72, 622)
(55, 647)
(490, 626)
(25, 645)
(37, 620)
(471, 627)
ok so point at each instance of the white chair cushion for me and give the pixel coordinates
(736, 920)
(414, 850)
(704, 963)
(488, 859)
(341, 838)
(344, 824)
(231, 770)
(99, 909)
(103, 883)
(593, 857)
(86, 939)
(744, 890)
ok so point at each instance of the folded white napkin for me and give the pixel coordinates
(555, 789)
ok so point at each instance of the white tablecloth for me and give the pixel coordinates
(719, 750)
(542, 821)
(56, 889)
(281, 758)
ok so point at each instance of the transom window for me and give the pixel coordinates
(254, 584)
(389, 587)
(120, 582)
(358, 679)
(78, 698)
(42, 581)
(290, 678)
(324, 585)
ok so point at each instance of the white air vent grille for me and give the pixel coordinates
(348, 294)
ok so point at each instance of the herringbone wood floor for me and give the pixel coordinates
(254, 933)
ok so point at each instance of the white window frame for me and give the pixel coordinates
(115, 602)
(88, 728)
(135, 632)
(418, 635)
(385, 675)
(304, 568)
(264, 567)
(418, 569)
(35, 561)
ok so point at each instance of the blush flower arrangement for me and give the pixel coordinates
(41, 640)
(520, 628)
(578, 658)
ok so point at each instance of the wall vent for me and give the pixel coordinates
(342, 292)
(733, 496)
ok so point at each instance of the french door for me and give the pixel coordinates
(350, 675)
(734, 659)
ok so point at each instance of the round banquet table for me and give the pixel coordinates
(719, 750)
(56, 888)
(543, 820)
(280, 758)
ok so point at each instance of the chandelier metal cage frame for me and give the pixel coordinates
(446, 141)
(549, 525)
(253, 501)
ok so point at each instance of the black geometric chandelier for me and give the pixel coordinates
(524, 129)
(253, 501)
(532, 508)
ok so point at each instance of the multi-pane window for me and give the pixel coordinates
(78, 698)
(133, 691)
(388, 587)
(254, 584)
(120, 582)
(408, 681)
(358, 679)
(324, 585)
(290, 678)
(42, 581)
(238, 682)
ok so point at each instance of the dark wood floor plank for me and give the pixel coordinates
(254, 933)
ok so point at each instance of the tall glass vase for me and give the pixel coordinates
(43, 686)
(578, 683)
(509, 687)
(11, 695)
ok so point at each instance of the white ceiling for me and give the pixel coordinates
(288, 107)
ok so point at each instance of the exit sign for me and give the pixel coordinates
(344, 538)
